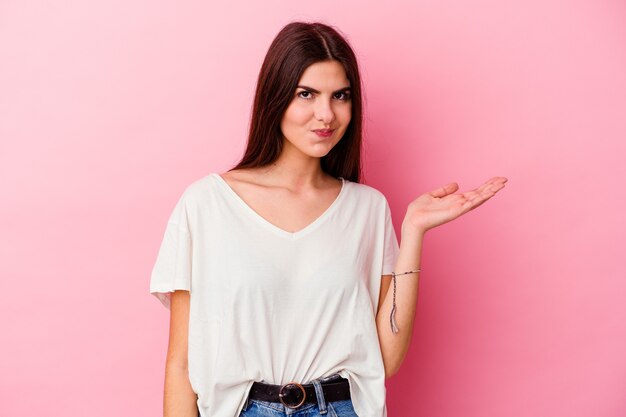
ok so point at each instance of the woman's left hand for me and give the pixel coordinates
(441, 206)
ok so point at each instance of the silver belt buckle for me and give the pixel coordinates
(288, 396)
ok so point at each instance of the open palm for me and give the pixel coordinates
(441, 205)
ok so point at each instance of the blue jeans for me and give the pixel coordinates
(343, 408)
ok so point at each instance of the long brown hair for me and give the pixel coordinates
(295, 47)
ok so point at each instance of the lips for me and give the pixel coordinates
(324, 131)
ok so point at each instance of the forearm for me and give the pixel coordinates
(179, 400)
(395, 346)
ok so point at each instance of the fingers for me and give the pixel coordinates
(484, 192)
(475, 201)
(445, 190)
(492, 186)
(497, 182)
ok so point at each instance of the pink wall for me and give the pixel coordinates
(108, 109)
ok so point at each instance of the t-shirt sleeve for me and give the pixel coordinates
(391, 247)
(172, 269)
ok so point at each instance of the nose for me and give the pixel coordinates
(324, 112)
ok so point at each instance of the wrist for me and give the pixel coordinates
(410, 229)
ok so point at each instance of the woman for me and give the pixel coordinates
(277, 272)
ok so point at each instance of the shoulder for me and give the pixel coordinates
(369, 193)
(198, 189)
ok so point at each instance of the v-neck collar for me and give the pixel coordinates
(272, 227)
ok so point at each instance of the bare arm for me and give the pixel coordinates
(179, 400)
(394, 347)
(425, 212)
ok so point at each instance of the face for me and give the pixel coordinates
(322, 100)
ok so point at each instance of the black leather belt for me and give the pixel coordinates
(293, 394)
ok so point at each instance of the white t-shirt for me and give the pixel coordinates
(274, 306)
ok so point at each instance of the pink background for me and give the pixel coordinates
(108, 109)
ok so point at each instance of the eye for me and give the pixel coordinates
(341, 96)
(346, 96)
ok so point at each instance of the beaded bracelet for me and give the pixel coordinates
(394, 326)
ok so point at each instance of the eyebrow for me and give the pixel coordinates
(315, 91)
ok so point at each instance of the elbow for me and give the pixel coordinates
(390, 371)
(389, 374)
